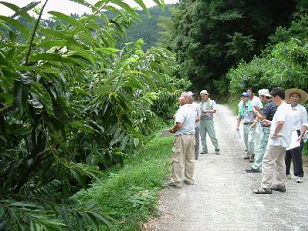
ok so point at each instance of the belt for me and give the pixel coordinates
(185, 134)
(247, 123)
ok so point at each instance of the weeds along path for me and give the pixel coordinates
(222, 197)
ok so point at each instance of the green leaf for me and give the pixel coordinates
(69, 20)
(126, 7)
(52, 43)
(142, 5)
(16, 24)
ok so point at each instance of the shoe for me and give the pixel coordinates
(204, 152)
(189, 182)
(299, 179)
(246, 158)
(263, 191)
(280, 188)
(288, 176)
(252, 170)
(173, 184)
(217, 151)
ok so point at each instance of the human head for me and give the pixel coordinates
(185, 98)
(204, 95)
(245, 96)
(302, 96)
(251, 92)
(264, 95)
(278, 95)
(191, 94)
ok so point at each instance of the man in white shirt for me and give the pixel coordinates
(183, 150)
(273, 167)
(296, 97)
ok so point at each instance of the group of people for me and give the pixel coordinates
(274, 125)
(273, 135)
(192, 120)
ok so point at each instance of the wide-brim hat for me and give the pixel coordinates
(303, 95)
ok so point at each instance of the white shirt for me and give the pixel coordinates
(299, 114)
(283, 114)
(186, 115)
(256, 102)
(197, 108)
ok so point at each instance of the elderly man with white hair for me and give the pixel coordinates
(183, 150)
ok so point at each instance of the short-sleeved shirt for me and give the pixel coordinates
(186, 115)
(283, 114)
(207, 105)
(299, 113)
(247, 116)
(256, 102)
(269, 110)
(197, 108)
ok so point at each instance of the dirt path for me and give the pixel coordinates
(222, 197)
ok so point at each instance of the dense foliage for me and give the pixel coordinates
(284, 63)
(71, 105)
(212, 36)
(147, 27)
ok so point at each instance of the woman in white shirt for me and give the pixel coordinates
(296, 97)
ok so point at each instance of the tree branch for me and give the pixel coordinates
(34, 31)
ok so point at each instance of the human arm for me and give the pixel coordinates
(277, 129)
(176, 127)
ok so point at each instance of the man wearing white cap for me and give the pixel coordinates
(208, 108)
(267, 114)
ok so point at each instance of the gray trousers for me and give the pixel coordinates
(197, 144)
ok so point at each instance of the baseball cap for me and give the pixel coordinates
(245, 94)
(204, 92)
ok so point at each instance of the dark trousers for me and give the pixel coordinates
(296, 155)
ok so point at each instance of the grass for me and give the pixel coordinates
(129, 195)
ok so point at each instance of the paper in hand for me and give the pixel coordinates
(294, 143)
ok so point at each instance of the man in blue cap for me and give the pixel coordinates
(247, 115)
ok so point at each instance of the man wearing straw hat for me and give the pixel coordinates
(296, 97)
(267, 114)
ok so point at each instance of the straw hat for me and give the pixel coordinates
(303, 95)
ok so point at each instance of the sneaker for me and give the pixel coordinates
(263, 191)
(189, 182)
(280, 188)
(288, 176)
(204, 152)
(299, 179)
(252, 170)
(173, 184)
(217, 152)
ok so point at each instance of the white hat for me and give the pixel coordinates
(264, 92)
(204, 92)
